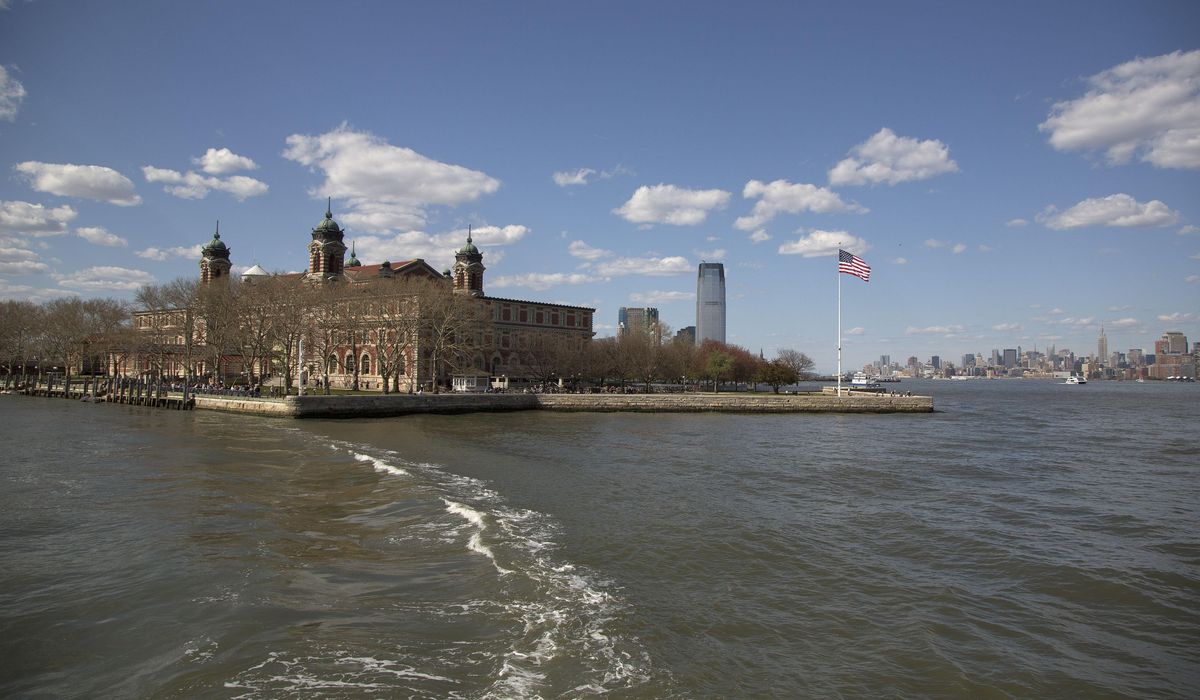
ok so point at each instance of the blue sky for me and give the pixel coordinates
(1015, 173)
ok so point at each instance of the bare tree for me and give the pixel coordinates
(252, 338)
(392, 308)
(287, 303)
(453, 327)
(796, 361)
(20, 324)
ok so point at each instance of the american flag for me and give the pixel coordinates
(854, 265)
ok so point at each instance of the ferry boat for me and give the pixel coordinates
(1075, 380)
(861, 382)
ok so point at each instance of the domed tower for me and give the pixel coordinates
(353, 261)
(326, 251)
(468, 269)
(214, 259)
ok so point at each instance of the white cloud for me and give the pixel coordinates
(567, 178)
(539, 281)
(1016, 222)
(1188, 229)
(1123, 323)
(959, 248)
(1114, 210)
(34, 294)
(1192, 279)
(657, 297)
(20, 261)
(105, 277)
(857, 330)
(673, 265)
(436, 249)
(1123, 307)
(935, 243)
(891, 159)
(100, 236)
(760, 236)
(985, 248)
(87, 181)
(1007, 327)
(934, 330)
(781, 196)
(668, 204)
(583, 251)
(389, 186)
(223, 161)
(161, 254)
(12, 93)
(583, 176)
(821, 243)
(1178, 317)
(718, 254)
(193, 185)
(34, 219)
(900, 261)
(1147, 106)
(1077, 322)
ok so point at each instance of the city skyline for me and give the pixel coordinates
(1004, 193)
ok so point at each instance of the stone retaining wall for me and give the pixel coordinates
(262, 407)
(737, 403)
(320, 406)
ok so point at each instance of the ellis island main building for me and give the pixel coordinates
(509, 336)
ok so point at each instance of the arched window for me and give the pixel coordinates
(349, 364)
(400, 367)
(332, 364)
(366, 363)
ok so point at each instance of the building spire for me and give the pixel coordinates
(468, 233)
(217, 233)
(329, 208)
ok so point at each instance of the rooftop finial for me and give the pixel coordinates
(329, 208)
(468, 233)
(217, 233)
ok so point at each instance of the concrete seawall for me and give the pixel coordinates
(319, 406)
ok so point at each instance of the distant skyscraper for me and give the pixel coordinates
(636, 320)
(935, 362)
(687, 334)
(710, 303)
(1175, 342)
(1010, 357)
(1102, 346)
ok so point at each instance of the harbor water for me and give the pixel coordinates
(1028, 540)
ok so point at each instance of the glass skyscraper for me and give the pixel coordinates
(710, 303)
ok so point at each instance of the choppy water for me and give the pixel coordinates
(1029, 540)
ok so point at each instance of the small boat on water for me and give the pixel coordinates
(1075, 380)
(861, 382)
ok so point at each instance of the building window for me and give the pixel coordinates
(366, 363)
(332, 365)
(571, 320)
(524, 316)
(505, 314)
(554, 319)
(540, 317)
(349, 363)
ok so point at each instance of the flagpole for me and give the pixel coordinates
(839, 346)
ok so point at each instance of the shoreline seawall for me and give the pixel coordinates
(320, 406)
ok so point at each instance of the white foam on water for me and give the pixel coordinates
(475, 543)
(565, 611)
(379, 464)
(389, 667)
